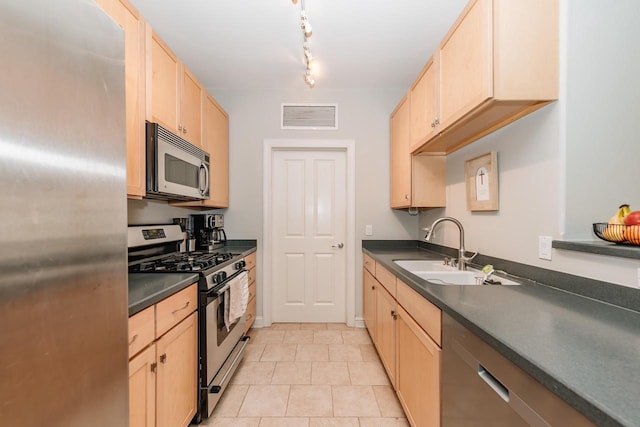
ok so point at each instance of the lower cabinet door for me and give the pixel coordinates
(142, 389)
(385, 340)
(369, 301)
(177, 381)
(418, 373)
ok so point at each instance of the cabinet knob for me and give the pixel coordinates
(163, 358)
(394, 314)
(154, 367)
(437, 121)
(184, 130)
(179, 127)
(406, 197)
(373, 288)
(433, 123)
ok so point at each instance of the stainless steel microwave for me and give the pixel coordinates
(176, 169)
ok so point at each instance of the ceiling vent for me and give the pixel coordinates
(309, 116)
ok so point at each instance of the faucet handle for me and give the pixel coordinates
(469, 258)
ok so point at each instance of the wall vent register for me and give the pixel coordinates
(309, 116)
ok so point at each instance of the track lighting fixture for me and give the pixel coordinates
(307, 31)
(306, 27)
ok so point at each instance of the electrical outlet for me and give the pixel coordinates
(368, 230)
(544, 247)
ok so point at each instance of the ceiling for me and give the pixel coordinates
(257, 44)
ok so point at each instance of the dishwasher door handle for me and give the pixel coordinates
(493, 382)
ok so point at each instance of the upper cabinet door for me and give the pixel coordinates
(134, 64)
(466, 75)
(400, 156)
(163, 83)
(216, 133)
(216, 143)
(424, 105)
(191, 108)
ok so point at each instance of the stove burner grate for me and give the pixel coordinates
(190, 261)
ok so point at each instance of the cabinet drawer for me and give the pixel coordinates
(369, 263)
(250, 314)
(386, 278)
(252, 275)
(172, 310)
(250, 260)
(427, 315)
(141, 330)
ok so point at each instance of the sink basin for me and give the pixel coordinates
(436, 272)
(453, 277)
(415, 265)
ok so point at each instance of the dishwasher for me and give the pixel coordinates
(480, 387)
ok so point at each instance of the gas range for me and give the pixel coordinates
(181, 262)
(221, 340)
(154, 249)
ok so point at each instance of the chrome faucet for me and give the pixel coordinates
(462, 259)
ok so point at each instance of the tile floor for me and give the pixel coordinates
(309, 375)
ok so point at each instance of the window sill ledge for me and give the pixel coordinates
(598, 248)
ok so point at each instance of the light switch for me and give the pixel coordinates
(544, 247)
(368, 230)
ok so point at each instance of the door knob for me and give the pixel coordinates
(339, 246)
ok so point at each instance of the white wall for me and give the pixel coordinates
(572, 162)
(363, 117)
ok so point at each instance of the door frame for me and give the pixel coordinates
(339, 145)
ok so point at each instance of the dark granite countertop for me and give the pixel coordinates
(584, 350)
(146, 289)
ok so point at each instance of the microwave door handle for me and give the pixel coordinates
(206, 173)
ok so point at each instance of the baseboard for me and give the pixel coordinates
(260, 323)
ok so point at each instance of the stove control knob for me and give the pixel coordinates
(240, 265)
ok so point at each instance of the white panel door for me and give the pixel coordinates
(308, 204)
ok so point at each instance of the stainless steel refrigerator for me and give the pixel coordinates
(63, 274)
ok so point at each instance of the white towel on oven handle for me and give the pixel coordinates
(236, 298)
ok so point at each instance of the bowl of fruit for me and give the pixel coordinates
(623, 227)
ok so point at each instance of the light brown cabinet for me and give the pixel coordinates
(385, 321)
(142, 388)
(174, 97)
(417, 181)
(177, 380)
(216, 143)
(400, 156)
(250, 314)
(497, 63)
(406, 330)
(418, 372)
(163, 365)
(134, 65)
(424, 105)
(369, 284)
(379, 312)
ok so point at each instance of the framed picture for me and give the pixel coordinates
(481, 177)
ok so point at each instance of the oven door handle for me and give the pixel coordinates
(218, 387)
(218, 292)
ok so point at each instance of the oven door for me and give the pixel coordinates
(219, 341)
(222, 349)
(180, 172)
